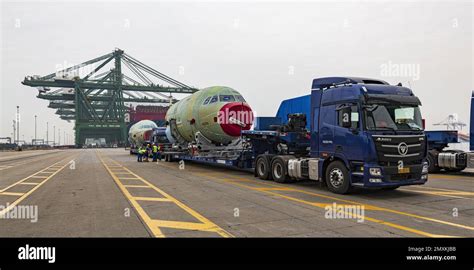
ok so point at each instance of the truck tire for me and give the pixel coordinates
(263, 168)
(279, 170)
(337, 178)
(432, 167)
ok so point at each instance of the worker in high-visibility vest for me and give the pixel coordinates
(141, 152)
(160, 149)
(154, 149)
(147, 152)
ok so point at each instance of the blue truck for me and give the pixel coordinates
(349, 132)
(440, 157)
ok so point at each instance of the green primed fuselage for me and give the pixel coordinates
(198, 113)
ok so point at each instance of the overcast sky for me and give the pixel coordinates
(269, 51)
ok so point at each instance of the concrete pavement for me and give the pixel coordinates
(105, 193)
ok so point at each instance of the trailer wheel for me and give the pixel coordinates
(263, 168)
(337, 178)
(432, 167)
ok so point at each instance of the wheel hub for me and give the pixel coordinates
(336, 177)
(277, 171)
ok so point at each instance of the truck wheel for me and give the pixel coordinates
(279, 170)
(337, 178)
(262, 167)
(432, 168)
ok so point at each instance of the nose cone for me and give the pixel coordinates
(234, 117)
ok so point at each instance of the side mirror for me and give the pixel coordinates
(346, 117)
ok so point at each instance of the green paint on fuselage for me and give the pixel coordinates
(195, 107)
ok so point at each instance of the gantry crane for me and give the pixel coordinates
(96, 99)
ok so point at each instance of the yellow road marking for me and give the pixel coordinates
(449, 177)
(390, 210)
(28, 183)
(225, 178)
(144, 216)
(151, 199)
(371, 207)
(185, 225)
(264, 188)
(323, 205)
(4, 167)
(153, 224)
(12, 193)
(34, 175)
(366, 206)
(450, 194)
(25, 195)
(443, 189)
(136, 186)
(378, 221)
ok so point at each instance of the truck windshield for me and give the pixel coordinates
(392, 117)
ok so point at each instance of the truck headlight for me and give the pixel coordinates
(375, 171)
(425, 168)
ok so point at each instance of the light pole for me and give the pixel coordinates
(47, 135)
(14, 131)
(54, 135)
(18, 123)
(59, 136)
(35, 129)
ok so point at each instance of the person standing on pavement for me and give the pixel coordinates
(160, 148)
(147, 152)
(141, 151)
(154, 150)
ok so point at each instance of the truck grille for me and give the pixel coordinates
(392, 148)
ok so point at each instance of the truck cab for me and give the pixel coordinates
(368, 131)
(362, 133)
